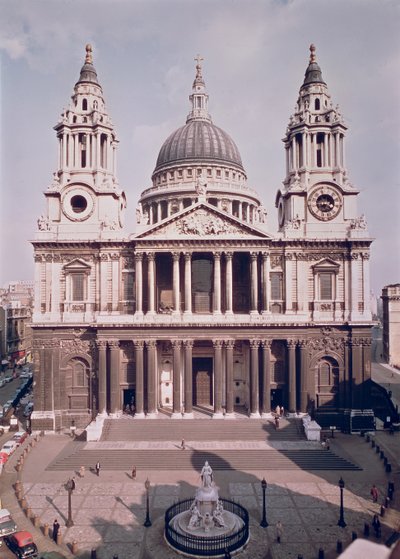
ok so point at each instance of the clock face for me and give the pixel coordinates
(77, 204)
(325, 203)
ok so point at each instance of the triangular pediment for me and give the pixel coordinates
(76, 265)
(326, 264)
(202, 220)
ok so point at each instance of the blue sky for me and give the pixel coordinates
(255, 52)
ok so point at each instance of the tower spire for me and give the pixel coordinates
(199, 96)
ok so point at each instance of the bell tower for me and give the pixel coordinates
(84, 200)
(317, 199)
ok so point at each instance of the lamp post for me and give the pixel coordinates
(147, 522)
(341, 521)
(264, 522)
(70, 486)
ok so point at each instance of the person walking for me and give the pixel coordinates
(374, 493)
(276, 422)
(82, 471)
(56, 528)
(97, 468)
(183, 447)
(134, 472)
(278, 410)
(279, 531)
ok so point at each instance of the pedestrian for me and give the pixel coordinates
(282, 411)
(376, 523)
(327, 443)
(73, 484)
(276, 422)
(183, 447)
(374, 493)
(56, 528)
(134, 472)
(82, 471)
(278, 410)
(279, 531)
(97, 468)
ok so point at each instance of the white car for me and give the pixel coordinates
(9, 447)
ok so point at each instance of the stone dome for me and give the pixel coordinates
(198, 141)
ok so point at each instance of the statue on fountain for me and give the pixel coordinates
(207, 475)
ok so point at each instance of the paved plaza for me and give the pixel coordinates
(108, 511)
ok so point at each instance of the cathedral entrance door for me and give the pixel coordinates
(202, 381)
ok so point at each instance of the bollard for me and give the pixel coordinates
(46, 530)
(353, 536)
(390, 487)
(74, 547)
(23, 503)
(18, 486)
(35, 520)
(28, 512)
(381, 455)
(321, 553)
(59, 538)
(93, 554)
(382, 510)
(366, 529)
(372, 443)
(388, 468)
(377, 449)
(339, 546)
(368, 438)
(385, 461)
(19, 494)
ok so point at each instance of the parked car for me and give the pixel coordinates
(22, 544)
(3, 457)
(19, 437)
(7, 524)
(9, 447)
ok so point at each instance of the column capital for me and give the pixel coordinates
(188, 344)
(230, 344)
(217, 344)
(217, 255)
(176, 256)
(265, 255)
(139, 344)
(291, 344)
(176, 344)
(253, 255)
(151, 344)
(113, 344)
(303, 344)
(151, 256)
(229, 255)
(187, 256)
(138, 256)
(266, 344)
(101, 344)
(254, 344)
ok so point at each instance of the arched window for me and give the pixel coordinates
(84, 104)
(327, 382)
(317, 104)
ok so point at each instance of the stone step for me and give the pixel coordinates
(200, 430)
(189, 460)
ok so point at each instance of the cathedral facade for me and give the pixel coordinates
(200, 308)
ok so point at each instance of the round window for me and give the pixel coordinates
(78, 203)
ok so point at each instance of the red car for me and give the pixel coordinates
(3, 457)
(19, 437)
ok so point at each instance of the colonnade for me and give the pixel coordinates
(259, 299)
(100, 150)
(147, 376)
(304, 153)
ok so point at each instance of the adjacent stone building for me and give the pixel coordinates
(391, 324)
(202, 307)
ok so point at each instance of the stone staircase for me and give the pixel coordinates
(244, 445)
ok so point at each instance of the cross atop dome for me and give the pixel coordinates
(199, 60)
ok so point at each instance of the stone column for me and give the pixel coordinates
(288, 283)
(188, 283)
(266, 288)
(139, 346)
(176, 283)
(102, 352)
(139, 282)
(254, 283)
(291, 344)
(151, 280)
(304, 395)
(356, 373)
(188, 349)
(229, 345)
(217, 283)
(151, 377)
(176, 395)
(217, 379)
(115, 404)
(254, 379)
(229, 285)
(266, 373)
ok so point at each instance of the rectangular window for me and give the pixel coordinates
(78, 287)
(128, 286)
(276, 286)
(325, 286)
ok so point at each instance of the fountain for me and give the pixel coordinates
(207, 525)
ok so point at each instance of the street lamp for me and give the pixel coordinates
(264, 522)
(341, 521)
(147, 522)
(70, 486)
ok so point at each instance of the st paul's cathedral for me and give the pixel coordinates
(199, 307)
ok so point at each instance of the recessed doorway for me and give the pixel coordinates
(202, 381)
